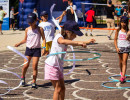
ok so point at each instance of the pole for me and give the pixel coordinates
(22, 27)
(22, 18)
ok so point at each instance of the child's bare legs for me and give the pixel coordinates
(0, 28)
(59, 89)
(34, 65)
(87, 30)
(120, 61)
(91, 30)
(10, 26)
(25, 67)
(124, 64)
(118, 18)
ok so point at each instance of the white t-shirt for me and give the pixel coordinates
(49, 30)
(35, 13)
(122, 42)
(74, 7)
(12, 14)
(56, 47)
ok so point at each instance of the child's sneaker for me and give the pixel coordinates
(121, 74)
(122, 80)
(23, 81)
(109, 37)
(91, 34)
(86, 34)
(34, 85)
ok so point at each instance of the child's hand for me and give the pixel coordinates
(43, 51)
(16, 45)
(118, 50)
(92, 40)
(83, 44)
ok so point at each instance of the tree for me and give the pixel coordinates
(14, 3)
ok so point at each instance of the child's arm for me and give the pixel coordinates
(128, 36)
(115, 40)
(44, 41)
(24, 40)
(16, 13)
(61, 17)
(75, 43)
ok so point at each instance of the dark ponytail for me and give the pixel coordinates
(63, 33)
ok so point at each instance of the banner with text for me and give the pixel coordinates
(5, 5)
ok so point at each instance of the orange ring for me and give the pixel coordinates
(96, 28)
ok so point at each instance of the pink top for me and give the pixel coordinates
(33, 39)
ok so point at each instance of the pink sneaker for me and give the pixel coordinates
(122, 80)
(121, 74)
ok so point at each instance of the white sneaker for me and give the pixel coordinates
(91, 34)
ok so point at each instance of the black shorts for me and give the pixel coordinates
(1, 22)
(89, 23)
(11, 21)
(36, 52)
(118, 15)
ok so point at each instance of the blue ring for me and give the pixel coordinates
(99, 55)
(113, 87)
(114, 80)
(117, 76)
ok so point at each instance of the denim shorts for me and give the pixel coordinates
(36, 52)
(124, 49)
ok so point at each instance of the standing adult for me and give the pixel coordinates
(2, 15)
(35, 12)
(89, 19)
(110, 18)
(118, 14)
(12, 18)
(70, 12)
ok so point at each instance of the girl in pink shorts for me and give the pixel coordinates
(54, 65)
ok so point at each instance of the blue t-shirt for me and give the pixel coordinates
(118, 11)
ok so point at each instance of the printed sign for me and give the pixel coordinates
(5, 5)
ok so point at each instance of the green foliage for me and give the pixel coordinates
(14, 3)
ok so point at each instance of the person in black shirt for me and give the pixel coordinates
(69, 12)
(110, 18)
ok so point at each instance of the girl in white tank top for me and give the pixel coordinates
(32, 39)
(122, 45)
